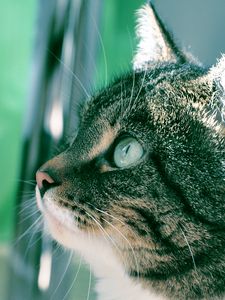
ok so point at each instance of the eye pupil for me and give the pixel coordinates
(126, 149)
(127, 152)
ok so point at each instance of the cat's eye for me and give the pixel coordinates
(127, 152)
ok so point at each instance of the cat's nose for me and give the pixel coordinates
(44, 181)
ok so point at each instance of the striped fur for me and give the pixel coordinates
(154, 230)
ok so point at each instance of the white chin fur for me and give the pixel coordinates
(113, 282)
(63, 227)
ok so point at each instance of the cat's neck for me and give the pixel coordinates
(112, 281)
(123, 288)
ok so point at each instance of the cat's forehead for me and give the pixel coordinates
(131, 94)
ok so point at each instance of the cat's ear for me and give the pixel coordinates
(155, 42)
(216, 74)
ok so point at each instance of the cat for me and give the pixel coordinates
(140, 192)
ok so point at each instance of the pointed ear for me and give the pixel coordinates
(155, 43)
(217, 74)
(215, 79)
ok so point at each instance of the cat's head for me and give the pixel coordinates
(146, 169)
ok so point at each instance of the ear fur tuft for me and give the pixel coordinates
(217, 73)
(155, 43)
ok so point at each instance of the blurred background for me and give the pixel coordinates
(36, 54)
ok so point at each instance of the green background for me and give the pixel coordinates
(17, 36)
(16, 41)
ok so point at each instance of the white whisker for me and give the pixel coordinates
(28, 216)
(74, 280)
(71, 72)
(30, 182)
(30, 245)
(90, 277)
(132, 94)
(129, 244)
(142, 84)
(103, 52)
(36, 223)
(110, 215)
(64, 273)
(105, 233)
(30, 203)
(190, 250)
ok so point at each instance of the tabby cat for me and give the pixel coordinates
(140, 193)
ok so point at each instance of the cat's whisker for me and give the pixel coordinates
(106, 236)
(141, 87)
(110, 215)
(28, 204)
(27, 201)
(90, 276)
(130, 104)
(131, 95)
(27, 193)
(30, 192)
(31, 214)
(57, 247)
(70, 72)
(27, 196)
(26, 207)
(129, 244)
(114, 243)
(189, 247)
(30, 182)
(30, 245)
(121, 98)
(122, 111)
(74, 280)
(89, 283)
(38, 239)
(103, 51)
(36, 223)
(63, 275)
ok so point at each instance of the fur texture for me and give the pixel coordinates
(154, 229)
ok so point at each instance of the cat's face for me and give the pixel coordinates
(145, 172)
(143, 161)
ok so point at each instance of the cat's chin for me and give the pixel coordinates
(59, 221)
(93, 247)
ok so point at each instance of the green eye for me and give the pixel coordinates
(127, 152)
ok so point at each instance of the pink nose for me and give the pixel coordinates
(44, 181)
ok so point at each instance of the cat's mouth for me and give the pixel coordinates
(66, 213)
(68, 230)
(53, 212)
